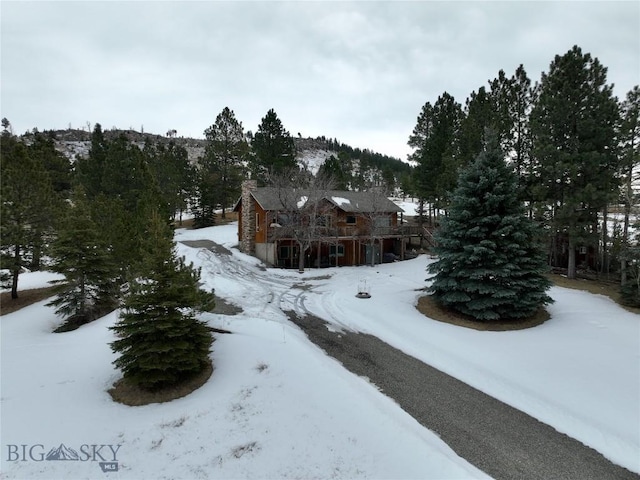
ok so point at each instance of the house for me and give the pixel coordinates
(331, 228)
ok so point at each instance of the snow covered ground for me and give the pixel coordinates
(277, 407)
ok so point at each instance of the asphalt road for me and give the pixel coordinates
(498, 439)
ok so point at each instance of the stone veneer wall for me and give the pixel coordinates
(248, 240)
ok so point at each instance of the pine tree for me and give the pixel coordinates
(480, 115)
(629, 135)
(122, 196)
(173, 174)
(81, 254)
(41, 149)
(161, 341)
(90, 169)
(630, 289)
(225, 154)
(489, 265)
(273, 149)
(334, 168)
(573, 130)
(435, 141)
(26, 200)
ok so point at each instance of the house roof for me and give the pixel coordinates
(272, 199)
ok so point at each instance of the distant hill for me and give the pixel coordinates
(314, 151)
(311, 152)
(77, 142)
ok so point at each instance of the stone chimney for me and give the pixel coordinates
(248, 220)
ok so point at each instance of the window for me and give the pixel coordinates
(257, 222)
(336, 250)
(284, 253)
(382, 221)
(351, 219)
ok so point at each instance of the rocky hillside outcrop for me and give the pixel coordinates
(75, 142)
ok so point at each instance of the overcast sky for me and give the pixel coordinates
(357, 71)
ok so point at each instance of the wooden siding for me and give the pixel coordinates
(261, 224)
(344, 244)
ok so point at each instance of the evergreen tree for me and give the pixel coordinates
(512, 101)
(489, 265)
(221, 169)
(629, 135)
(161, 341)
(173, 174)
(273, 149)
(435, 140)
(6, 126)
(90, 170)
(122, 196)
(502, 95)
(334, 168)
(205, 198)
(420, 140)
(81, 254)
(127, 176)
(479, 117)
(26, 200)
(573, 128)
(520, 138)
(42, 148)
(630, 289)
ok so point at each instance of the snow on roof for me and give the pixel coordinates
(340, 201)
(270, 198)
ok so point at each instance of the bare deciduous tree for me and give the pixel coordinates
(304, 209)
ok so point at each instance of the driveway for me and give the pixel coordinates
(498, 439)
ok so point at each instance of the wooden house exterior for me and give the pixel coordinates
(342, 228)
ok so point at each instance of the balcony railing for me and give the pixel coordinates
(354, 231)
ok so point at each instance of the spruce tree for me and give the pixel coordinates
(161, 341)
(81, 254)
(489, 265)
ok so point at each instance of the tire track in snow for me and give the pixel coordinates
(274, 294)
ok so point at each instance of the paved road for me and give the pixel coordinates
(498, 439)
